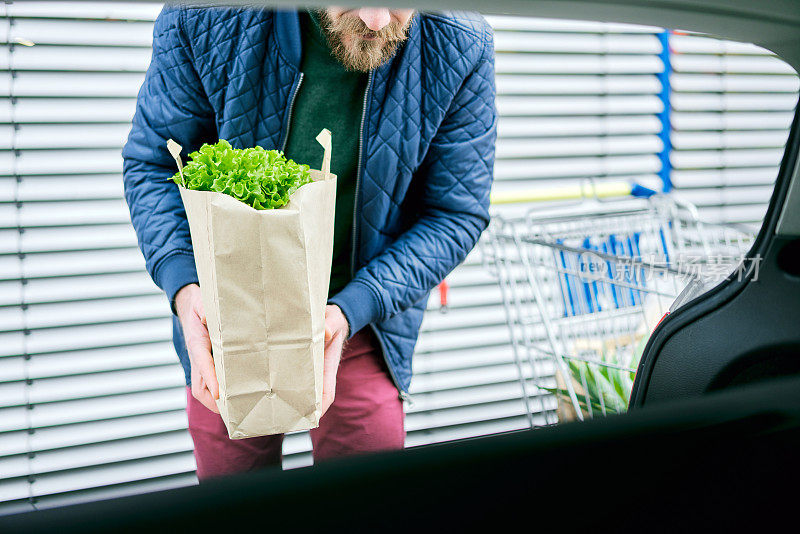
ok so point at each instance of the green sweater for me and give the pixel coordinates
(333, 98)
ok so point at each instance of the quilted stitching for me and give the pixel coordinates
(428, 145)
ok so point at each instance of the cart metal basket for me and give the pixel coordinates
(583, 290)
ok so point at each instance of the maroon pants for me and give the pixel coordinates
(366, 416)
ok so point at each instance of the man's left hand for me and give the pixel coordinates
(336, 331)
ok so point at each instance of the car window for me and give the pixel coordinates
(542, 323)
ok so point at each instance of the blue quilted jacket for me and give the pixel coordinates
(427, 152)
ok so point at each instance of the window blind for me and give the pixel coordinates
(90, 393)
(732, 106)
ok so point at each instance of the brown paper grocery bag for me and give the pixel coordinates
(264, 278)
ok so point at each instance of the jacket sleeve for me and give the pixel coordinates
(457, 173)
(171, 104)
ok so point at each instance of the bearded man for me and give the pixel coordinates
(409, 98)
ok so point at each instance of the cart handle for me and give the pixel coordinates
(572, 192)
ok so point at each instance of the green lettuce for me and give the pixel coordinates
(262, 179)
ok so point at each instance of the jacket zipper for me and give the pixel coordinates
(358, 176)
(291, 108)
(403, 395)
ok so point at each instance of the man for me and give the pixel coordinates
(409, 98)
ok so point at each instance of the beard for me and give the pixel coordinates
(356, 46)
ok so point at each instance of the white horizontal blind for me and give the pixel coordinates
(732, 104)
(91, 395)
(577, 100)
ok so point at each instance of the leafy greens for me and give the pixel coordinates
(599, 388)
(262, 179)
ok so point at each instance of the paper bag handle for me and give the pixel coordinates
(175, 149)
(324, 139)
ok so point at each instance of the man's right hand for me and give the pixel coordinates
(189, 305)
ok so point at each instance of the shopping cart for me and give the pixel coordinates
(583, 286)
